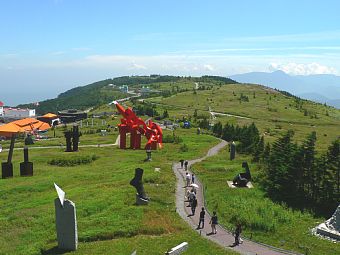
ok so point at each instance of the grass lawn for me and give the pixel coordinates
(108, 220)
(263, 220)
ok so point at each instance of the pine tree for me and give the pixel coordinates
(259, 149)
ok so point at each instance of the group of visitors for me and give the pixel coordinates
(193, 203)
(184, 163)
(189, 179)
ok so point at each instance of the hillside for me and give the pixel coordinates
(323, 88)
(274, 112)
(108, 220)
(98, 93)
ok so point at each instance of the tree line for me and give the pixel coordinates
(291, 173)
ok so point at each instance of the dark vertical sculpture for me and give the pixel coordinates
(7, 167)
(68, 136)
(232, 150)
(26, 167)
(75, 137)
(137, 182)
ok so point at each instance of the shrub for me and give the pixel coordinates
(184, 148)
(73, 161)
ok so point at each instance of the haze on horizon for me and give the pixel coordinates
(49, 46)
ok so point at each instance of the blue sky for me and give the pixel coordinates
(48, 46)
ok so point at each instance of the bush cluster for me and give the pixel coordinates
(73, 161)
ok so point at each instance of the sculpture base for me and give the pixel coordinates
(141, 201)
(26, 169)
(323, 230)
(7, 170)
(231, 185)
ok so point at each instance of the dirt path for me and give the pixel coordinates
(223, 237)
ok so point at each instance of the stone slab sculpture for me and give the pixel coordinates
(7, 167)
(331, 227)
(66, 222)
(141, 198)
(26, 167)
(242, 179)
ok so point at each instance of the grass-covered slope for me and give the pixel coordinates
(108, 220)
(273, 112)
(262, 219)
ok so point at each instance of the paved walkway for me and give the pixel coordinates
(223, 237)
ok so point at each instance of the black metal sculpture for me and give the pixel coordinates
(68, 136)
(75, 137)
(7, 167)
(72, 139)
(242, 179)
(26, 167)
(138, 184)
(232, 150)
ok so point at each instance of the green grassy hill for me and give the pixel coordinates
(108, 220)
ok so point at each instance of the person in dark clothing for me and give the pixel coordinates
(238, 231)
(193, 206)
(193, 178)
(186, 165)
(213, 222)
(182, 162)
(202, 214)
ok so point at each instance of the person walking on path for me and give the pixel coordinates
(187, 178)
(213, 222)
(238, 232)
(193, 178)
(186, 165)
(182, 163)
(193, 206)
(191, 197)
(202, 214)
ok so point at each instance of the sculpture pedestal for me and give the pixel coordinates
(141, 201)
(7, 170)
(322, 229)
(26, 169)
(66, 224)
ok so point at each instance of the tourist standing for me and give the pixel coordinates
(186, 165)
(238, 232)
(193, 178)
(193, 206)
(182, 162)
(187, 178)
(202, 215)
(213, 222)
(191, 197)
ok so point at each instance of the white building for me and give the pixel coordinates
(17, 113)
(1, 109)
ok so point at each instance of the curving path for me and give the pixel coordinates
(223, 237)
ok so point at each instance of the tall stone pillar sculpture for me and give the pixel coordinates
(26, 167)
(7, 167)
(66, 222)
(232, 150)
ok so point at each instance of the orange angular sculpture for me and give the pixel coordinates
(137, 127)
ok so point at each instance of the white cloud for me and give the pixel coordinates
(138, 66)
(303, 69)
(208, 67)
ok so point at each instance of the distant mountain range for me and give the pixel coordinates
(322, 88)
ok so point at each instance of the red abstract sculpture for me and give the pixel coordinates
(137, 127)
